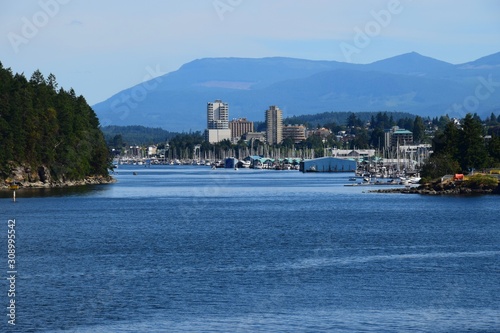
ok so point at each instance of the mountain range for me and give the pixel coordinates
(408, 83)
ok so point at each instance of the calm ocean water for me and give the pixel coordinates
(189, 249)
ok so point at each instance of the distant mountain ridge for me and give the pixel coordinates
(407, 83)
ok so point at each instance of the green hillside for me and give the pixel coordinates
(47, 134)
(135, 135)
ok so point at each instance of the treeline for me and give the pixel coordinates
(118, 136)
(463, 146)
(342, 118)
(43, 126)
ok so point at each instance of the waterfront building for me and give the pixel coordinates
(261, 136)
(217, 122)
(274, 125)
(328, 164)
(295, 132)
(353, 153)
(398, 136)
(239, 127)
(135, 151)
(217, 135)
(217, 115)
(322, 132)
(152, 150)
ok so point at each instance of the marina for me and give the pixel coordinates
(369, 166)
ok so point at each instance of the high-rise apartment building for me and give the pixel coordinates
(240, 127)
(217, 115)
(274, 125)
(217, 122)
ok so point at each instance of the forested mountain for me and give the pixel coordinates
(47, 134)
(409, 82)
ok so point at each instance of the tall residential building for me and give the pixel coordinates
(217, 115)
(217, 122)
(240, 127)
(274, 125)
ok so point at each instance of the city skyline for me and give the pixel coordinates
(219, 128)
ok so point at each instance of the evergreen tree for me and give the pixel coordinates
(443, 121)
(439, 165)
(362, 140)
(37, 78)
(353, 121)
(418, 129)
(446, 143)
(51, 82)
(473, 153)
(377, 138)
(406, 123)
(494, 150)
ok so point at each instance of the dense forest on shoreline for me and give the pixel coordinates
(464, 146)
(44, 129)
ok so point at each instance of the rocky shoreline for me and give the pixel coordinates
(25, 177)
(440, 189)
(38, 184)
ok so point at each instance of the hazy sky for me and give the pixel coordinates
(102, 47)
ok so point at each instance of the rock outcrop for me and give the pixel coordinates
(438, 188)
(27, 177)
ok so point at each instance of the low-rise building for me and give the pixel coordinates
(398, 136)
(152, 150)
(217, 135)
(261, 136)
(328, 164)
(295, 132)
(353, 153)
(322, 132)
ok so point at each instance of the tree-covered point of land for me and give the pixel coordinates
(117, 136)
(462, 147)
(43, 126)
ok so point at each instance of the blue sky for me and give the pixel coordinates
(102, 47)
